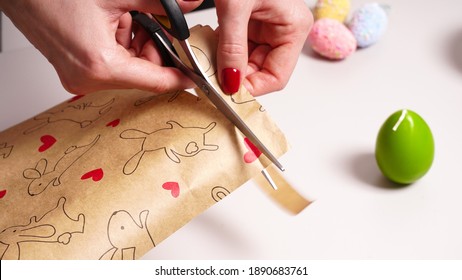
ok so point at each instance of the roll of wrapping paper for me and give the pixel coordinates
(112, 174)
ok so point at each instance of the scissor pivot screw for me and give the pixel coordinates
(205, 89)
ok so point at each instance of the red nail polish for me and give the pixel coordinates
(230, 80)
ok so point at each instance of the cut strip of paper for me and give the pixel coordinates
(285, 196)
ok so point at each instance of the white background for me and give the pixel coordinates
(331, 113)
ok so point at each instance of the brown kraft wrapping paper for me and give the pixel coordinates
(111, 174)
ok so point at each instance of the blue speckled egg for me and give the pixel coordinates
(368, 24)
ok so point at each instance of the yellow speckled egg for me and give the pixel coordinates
(334, 9)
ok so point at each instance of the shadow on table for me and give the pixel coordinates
(455, 50)
(364, 168)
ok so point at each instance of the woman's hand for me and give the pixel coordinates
(259, 42)
(90, 44)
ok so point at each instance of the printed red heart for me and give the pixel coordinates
(95, 175)
(253, 152)
(173, 187)
(2, 194)
(47, 142)
(114, 123)
(77, 97)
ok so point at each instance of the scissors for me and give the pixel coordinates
(175, 24)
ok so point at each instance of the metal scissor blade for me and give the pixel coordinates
(221, 105)
(214, 96)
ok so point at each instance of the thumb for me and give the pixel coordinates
(142, 74)
(232, 53)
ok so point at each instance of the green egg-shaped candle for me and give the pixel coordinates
(404, 148)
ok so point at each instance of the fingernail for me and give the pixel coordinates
(230, 79)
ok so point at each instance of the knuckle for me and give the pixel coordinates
(96, 70)
(279, 81)
(70, 87)
(302, 18)
(72, 84)
(81, 80)
(74, 87)
(280, 85)
(162, 84)
(233, 49)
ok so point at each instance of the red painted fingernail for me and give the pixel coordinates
(230, 80)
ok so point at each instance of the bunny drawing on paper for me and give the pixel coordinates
(83, 113)
(175, 140)
(127, 236)
(55, 226)
(5, 150)
(42, 177)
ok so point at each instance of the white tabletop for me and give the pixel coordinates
(331, 113)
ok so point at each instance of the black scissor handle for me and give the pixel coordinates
(153, 29)
(174, 22)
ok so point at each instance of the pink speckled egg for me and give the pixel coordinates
(331, 39)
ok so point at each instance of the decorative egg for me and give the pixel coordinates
(335, 9)
(331, 39)
(404, 148)
(368, 24)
